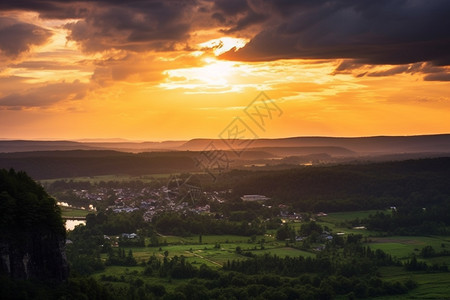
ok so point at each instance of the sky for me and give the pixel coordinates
(176, 70)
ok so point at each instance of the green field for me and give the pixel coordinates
(430, 285)
(68, 212)
(208, 253)
(347, 216)
(404, 246)
(211, 239)
(215, 250)
(334, 221)
(133, 273)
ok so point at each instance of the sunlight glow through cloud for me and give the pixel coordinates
(224, 44)
(117, 68)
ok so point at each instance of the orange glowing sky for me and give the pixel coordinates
(165, 70)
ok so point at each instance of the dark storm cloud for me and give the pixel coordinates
(138, 26)
(371, 32)
(250, 19)
(17, 37)
(130, 25)
(431, 71)
(365, 31)
(231, 7)
(237, 15)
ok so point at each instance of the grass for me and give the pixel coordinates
(286, 251)
(67, 212)
(430, 285)
(215, 250)
(347, 216)
(404, 246)
(133, 273)
(334, 222)
(211, 239)
(196, 254)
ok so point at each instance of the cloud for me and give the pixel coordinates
(431, 72)
(237, 15)
(136, 26)
(44, 65)
(370, 32)
(17, 37)
(111, 24)
(51, 9)
(140, 67)
(441, 76)
(44, 96)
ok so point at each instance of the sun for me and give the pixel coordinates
(214, 72)
(213, 75)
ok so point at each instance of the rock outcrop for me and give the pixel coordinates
(32, 233)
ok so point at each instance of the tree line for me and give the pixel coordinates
(349, 187)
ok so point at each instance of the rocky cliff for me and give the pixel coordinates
(32, 233)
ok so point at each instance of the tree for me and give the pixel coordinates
(427, 252)
(154, 241)
(285, 232)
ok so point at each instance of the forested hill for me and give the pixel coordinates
(421, 183)
(76, 163)
(375, 145)
(32, 233)
(58, 164)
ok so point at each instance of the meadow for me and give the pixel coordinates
(70, 212)
(215, 250)
(430, 285)
(336, 222)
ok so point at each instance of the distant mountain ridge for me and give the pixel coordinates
(375, 145)
(30, 145)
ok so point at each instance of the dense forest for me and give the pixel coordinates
(60, 164)
(418, 183)
(410, 220)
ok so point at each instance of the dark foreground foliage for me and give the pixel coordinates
(75, 288)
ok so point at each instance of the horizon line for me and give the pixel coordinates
(125, 140)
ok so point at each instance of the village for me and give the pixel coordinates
(183, 199)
